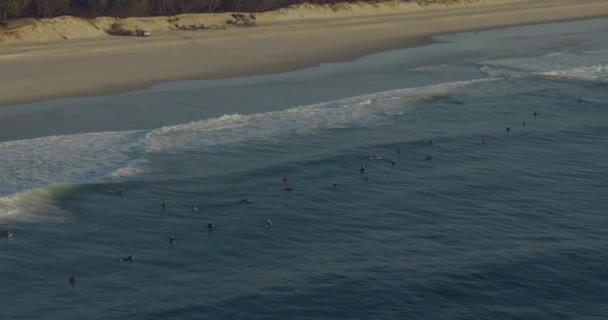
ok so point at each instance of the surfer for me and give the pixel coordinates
(9, 235)
(508, 129)
(171, 238)
(393, 162)
(285, 179)
(376, 157)
(334, 184)
(430, 141)
(194, 208)
(244, 201)
(429, 158)
(288, 188)
(164, 205)
(535, 114)
(127, 259)
(210, 225)
(362, 170)
(398, 151)
(72, 280)
(121, 192)
(268, 223)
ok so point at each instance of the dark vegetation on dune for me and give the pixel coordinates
(125, 8)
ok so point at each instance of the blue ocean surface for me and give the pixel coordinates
(495, 207)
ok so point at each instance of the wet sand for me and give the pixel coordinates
(108, 65)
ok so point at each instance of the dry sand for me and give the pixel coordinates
(93, 63)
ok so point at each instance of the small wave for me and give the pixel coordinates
(78, 158)
(366, 110)
(432, 68)
(587, 65)
(33, 164)
(590, 73)
(367, 102)
(34, 205)
(599, 72)
(36, 171)
(495, 72)
(132, 169)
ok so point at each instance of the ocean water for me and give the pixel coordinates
(511, 229)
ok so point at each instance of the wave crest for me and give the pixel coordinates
(366, 110)
(28, 205)
(590, 65)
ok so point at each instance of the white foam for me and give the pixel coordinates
(598, 72)
(35, 170)
(496, 72)
(132, 169)
(587, 65)
(362, 110)
(33, 205)
(30, 168)
(78, 158)
(430, 69)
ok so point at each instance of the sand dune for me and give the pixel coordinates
(67, 27)
(287, 39)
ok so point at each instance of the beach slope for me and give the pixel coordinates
(283, 40)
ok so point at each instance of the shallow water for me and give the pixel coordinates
(513, 228)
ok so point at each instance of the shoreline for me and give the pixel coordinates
(113, 65)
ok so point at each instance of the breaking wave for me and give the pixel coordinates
(33, 168)
(589, 65)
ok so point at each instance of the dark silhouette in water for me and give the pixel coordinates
(508, 129)
(334, 184)
(288, 189)
(393, 163)
(171, 238)
(127, 259)
(210, 225)
(285, 179)
(429, 158)
(365, 178)
(244, 201)
(535, 114)
(72, 280)
(523, 124)
(268, 223)
(9, 235)
(121, 192)
(483, 141)
(164, 205)
(398, 151)
(363, 168)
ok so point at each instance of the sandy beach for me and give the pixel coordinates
(104, 65)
